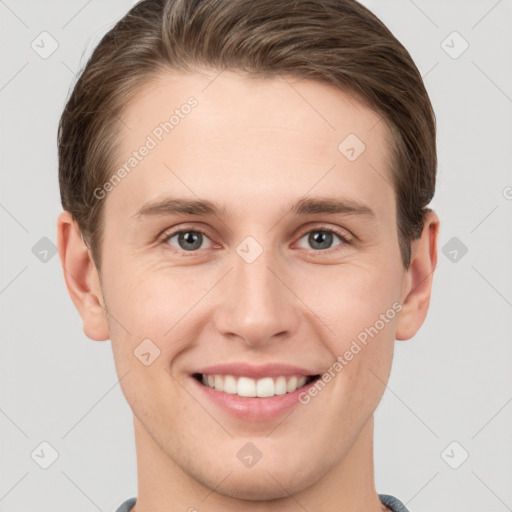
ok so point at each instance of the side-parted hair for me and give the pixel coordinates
(337, 42)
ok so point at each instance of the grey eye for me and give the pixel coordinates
(320, 239)
(188, 240)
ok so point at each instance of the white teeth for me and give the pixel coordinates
(230, 385)
(219, 383)
(265, 387)
(280, 386)
(291, 384)
(247, 387)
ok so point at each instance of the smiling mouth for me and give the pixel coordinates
(248, 387)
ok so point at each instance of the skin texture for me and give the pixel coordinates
(255, 146)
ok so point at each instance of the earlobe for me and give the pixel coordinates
(81, 277)
(418, 281)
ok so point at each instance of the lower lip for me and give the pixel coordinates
(253, 408)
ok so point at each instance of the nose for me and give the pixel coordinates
(257, 305)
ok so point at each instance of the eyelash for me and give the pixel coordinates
(341, 234)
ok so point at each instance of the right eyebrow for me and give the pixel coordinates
(170, 205)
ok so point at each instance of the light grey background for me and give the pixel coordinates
(452, 382)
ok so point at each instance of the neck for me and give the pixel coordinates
(163, 486)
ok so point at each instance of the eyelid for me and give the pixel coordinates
(345, 236)
(168, 233)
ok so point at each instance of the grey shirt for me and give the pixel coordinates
(391, 502)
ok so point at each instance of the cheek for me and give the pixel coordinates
(351, 304)
(350, 298)
(155, 304)
(144, 339)
(149, 300)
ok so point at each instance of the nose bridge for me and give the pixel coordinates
(256, 305)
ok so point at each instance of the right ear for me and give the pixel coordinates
(82, 279)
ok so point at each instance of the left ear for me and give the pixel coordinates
(418, 281)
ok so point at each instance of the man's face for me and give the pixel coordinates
(257, 283)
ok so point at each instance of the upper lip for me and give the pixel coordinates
(242, 369)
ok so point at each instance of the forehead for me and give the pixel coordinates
(273, 138)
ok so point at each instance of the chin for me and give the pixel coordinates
(247, 485)
(263, 483)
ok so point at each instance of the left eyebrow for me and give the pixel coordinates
(304, 206)
(331, 205)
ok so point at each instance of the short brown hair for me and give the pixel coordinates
(339, 42)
